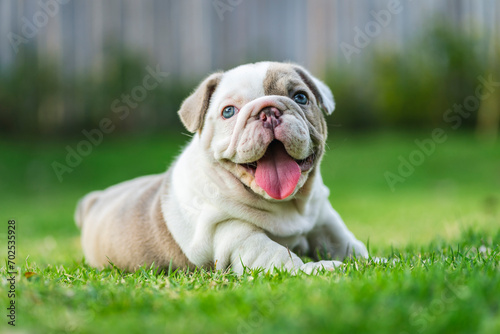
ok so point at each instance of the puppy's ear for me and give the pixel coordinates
(321, 91)
(194, 107)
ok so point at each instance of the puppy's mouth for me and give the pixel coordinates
(277, 173)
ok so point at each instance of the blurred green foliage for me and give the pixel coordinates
(37, 98)
(414, 87)
(408, 88)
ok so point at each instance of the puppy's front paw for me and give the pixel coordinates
(359, 249)
(313, 267)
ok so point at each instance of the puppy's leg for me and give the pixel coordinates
(332, 236)
(238, 245)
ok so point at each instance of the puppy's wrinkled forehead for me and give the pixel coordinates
(248, 82)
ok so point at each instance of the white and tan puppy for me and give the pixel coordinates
(245, 192)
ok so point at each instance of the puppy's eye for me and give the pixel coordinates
(300, 98)
(228, 111)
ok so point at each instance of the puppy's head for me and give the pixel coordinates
(262, 122)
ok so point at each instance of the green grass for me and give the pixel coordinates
(439, 230)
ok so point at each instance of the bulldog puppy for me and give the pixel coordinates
(245, 192)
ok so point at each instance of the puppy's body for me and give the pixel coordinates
(124, 224)
(246, 191)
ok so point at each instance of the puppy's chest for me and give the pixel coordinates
(290, 229)
(297, 243)
(282, 221)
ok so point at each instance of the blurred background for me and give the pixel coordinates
(397, 70)
(389, 63)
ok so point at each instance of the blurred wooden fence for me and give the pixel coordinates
(192, 37)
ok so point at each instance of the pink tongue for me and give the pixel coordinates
(277, 173)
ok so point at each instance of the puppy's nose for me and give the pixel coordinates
(270, 117)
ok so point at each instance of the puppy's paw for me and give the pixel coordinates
(357, 248)
(313, 267)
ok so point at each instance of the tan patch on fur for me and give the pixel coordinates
(130, 231)
(309, 82)
(284, 79)
(280, 80)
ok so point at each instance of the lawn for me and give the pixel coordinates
(439, 230)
